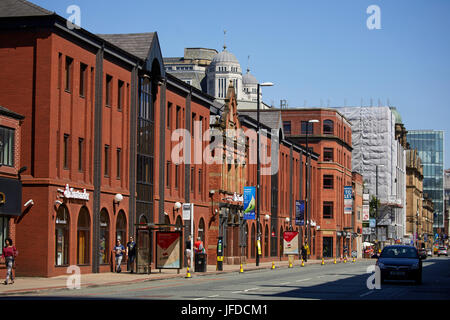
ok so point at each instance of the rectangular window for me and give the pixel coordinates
(328, 154)
(169, 114)
(168, 174)
(192, 179)
(83, 77)
(6, 146)
(287, 127)
(328, 210)
(106, 160)
(328, 181)
(307, 127)
(120, 95)
(119, 161)
(178, 118)
(80, 154)
(108, 90)
(193, 125)
(68, 79)
(177, 176)
(66, 152)
(200, 177)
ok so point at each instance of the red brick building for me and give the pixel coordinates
(331, 138)
(282, 182)
(10, 171)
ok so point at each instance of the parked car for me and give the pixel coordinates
(429, 252)
(442, 251)
(400, 262)
(423, 253)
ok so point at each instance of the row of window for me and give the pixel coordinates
(83, 81)
(177, 177)
(62, 236)
(81, 152)
(307, 127)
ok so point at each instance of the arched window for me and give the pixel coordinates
(121, 227)
(328, 127)
(253, 249)
(201, 231)
(143, 220)
(266, 241)
(104, 236)
(83, 236)
(62, 236)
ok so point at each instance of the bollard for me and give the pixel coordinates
(323, 262)
(273, 265)
(188, 274)
(303, 264)
(334, 260)
(241, 270)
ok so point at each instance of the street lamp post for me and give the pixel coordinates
(308, 166)
(258, 169)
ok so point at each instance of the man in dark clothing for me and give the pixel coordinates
(131, 253)
(304, 255)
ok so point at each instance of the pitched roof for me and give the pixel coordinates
(21, 8)
(272, 119)
(138, 44)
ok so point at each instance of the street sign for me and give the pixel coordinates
(186, 211)
(372, 223)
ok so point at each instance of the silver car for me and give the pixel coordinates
(442, 251)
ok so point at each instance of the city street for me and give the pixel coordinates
(316, 282)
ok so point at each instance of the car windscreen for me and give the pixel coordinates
(398, 252)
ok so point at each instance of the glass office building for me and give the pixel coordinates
(430, 146)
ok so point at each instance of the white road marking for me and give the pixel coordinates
(284, 283)
(367, 293)
(207, 297)
(303, 280)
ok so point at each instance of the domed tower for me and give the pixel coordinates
(224, 68)
(250, 86)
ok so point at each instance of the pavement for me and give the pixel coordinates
(29, 285)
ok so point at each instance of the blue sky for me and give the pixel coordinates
(316, 52)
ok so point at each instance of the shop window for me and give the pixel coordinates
(104, 237)
(62, 236)
(327, 247)
(4, 230)
(83, 236)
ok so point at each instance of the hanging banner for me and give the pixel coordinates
(249, 203)
(299, 212)
(290, 242)
(168, 250)
(365, 213)
(348, 200)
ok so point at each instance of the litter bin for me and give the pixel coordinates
(200, 262)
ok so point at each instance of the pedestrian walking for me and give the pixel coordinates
(9, 255)
(119, 249)
(304, 254)
(131, 254)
